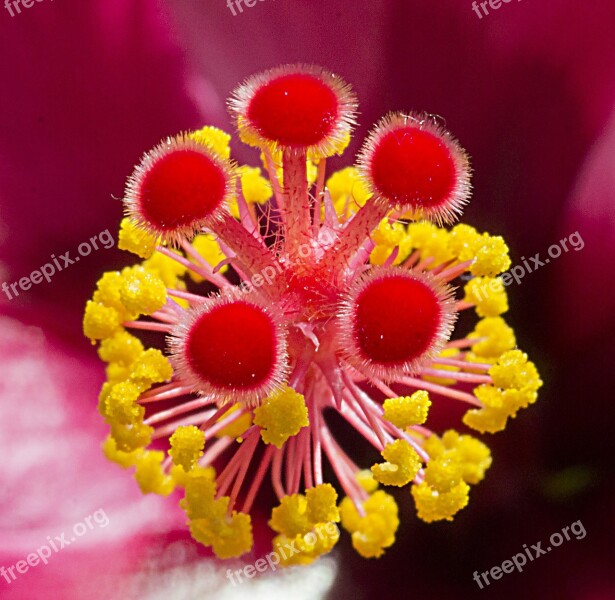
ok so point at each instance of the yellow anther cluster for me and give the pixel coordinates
(142, 292)
(514, 370)
(431, 241)
(152, 366)
(456, 461)
(207, 246)
(348, 192)
(120, 403)
(463, 240)
(387, 237)
(187, 445)
(238, 426)
(488, 294)
(432, 505)
(100, 321)
(150, 475)
(515, 386)
(181, 477)
(499, 338)
(136, 240)
(491, 256)
(375, 531)
(255, 188)
(131, 437)
(122, 349)
(407, 410)
(401, 466)
(281, 416)
(228, 533)
(108, 291)
(307, 522)
(215, 139)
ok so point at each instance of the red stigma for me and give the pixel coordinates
(180, 189)
(294, 110)
(397, 319)
(233, 346)
(410, 166)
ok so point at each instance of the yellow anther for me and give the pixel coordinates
(443, 474)
(99, 321)
(514, 370)
(131, 437)
(281, 416)
(366, 480)
(401, 466)
(124, 459)
(199, 500)
(121, 349)
(473, 456)
(181, 477)
(150, 475)
(187, 445)
(255, 188)
(142, 291)
(136, 240)
(290, 517)
(121, 403)
(488, 294)
(152, 366)
(432, 241)
(348, 191)
(375, 531)
(499, 337)
(215, 139)
(463, 242)
(229, 536)
(306, 548)
(491, 256)
(407, 410)
(108, 293)
(321, 504)
(432, 505)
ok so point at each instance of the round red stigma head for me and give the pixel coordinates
(231, 348)
(296, 107)
(178, 188)
(394, 321)
(411, 163)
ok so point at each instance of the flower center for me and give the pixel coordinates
(295, 110)
(233, 346)
(181, 188)
(396, 320)
(413, 166)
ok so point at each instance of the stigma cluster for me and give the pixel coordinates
(284, 298)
